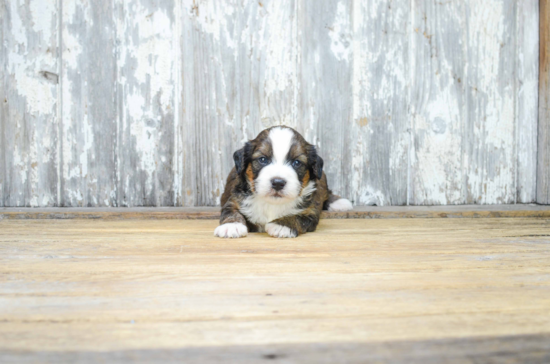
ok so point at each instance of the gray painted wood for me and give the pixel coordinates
(147, 57)
(490, 130)
(89, 129)
(437, 103)
(473, 102)
(30, 115)
(3, 100)
(378, 139)
(325, 87)
(527, 66)
(239, 77)
(543, 173)
(409, 102)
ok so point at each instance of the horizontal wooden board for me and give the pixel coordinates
(446, 289)
(213, 213)
(522, 349)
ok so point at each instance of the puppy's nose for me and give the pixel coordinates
(278, 184)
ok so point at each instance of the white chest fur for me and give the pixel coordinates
(259, 211)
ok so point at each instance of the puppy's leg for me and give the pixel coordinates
(336, 203)
(232, 222)
(292, 226)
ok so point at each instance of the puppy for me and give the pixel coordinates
(277, 186)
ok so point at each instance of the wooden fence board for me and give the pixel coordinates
(527, 55)
(378, 140)
(147, 83)
(325, 92)
(437, 103)
(31, 89)
(543, 171)
(89, 129)
(239, 77)
(3, 100)
(143, 103)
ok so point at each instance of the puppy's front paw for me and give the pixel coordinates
(279, 231)
(231, 230)
(342, 204)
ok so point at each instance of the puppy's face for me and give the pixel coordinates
(278, 164)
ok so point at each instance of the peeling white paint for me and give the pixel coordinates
(340, 33)
(148, 79)
(30, 101)
(42, 16)
(370, 197)
(17, 28)
(446, 71)
(37, 92)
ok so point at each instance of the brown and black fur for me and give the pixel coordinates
(240, 184)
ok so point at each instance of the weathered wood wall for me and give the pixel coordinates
(543, 175)
(137, 103)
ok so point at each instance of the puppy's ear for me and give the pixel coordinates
(318, 168)
(316, 163)
(242, 157)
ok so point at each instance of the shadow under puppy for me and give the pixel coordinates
(277, 186)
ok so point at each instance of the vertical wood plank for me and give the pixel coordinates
(239, 75)
(526, 78)
(491, 92)
(543, 171)
(146, 95)
(30, 120)
(3, 100)
(177, 155)
(378, 141)
(89, 112)
(464, 104)
(437, 102)
(325, 91)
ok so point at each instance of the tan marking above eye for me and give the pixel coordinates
(263, 150)
(302, 158)
(258, 155)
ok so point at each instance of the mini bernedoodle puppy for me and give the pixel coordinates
(277, 186)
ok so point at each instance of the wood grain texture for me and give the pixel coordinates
(126, 286)
(378, 138)
(325, 92)
(143, 103)
(436, 103)
(3, 100)
(511, 349)
(473, 102)
(490, 155)
(89, 115)
(31, 102)
(147, 83)
(543, 171)
(527, 70)
(213, 213)
(239, 77)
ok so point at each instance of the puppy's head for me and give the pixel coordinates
(279, 164)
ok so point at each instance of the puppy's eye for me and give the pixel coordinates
(296, 163)
(263, 161)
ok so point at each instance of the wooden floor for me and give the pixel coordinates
(356, 291)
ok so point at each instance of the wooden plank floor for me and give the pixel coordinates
(355, 291)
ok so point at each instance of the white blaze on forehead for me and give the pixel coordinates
(281, 141)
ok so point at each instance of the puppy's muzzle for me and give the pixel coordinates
(278, 184)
